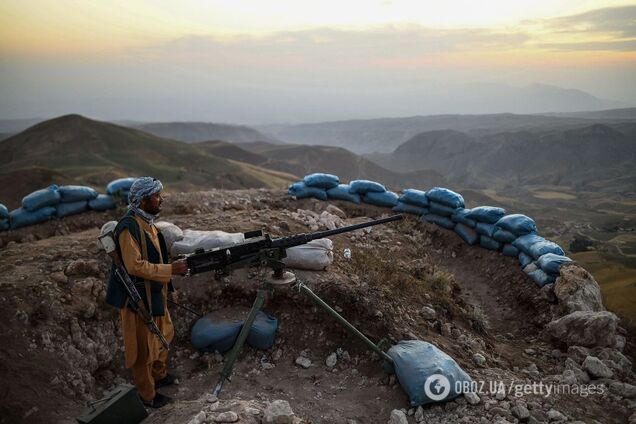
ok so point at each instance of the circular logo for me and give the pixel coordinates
(437, 387)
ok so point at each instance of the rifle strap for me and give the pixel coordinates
(144, 256)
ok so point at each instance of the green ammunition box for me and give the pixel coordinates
(121, 405)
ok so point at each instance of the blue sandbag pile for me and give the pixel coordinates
(61, 201)
(513, 235)
(210, 334)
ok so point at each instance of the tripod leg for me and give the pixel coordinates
(228, 365)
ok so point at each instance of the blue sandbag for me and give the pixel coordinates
(263, 332)
(414, 361)
(4, 212)
(66, 209)
(21, 217)
(300, 190)
(365, 186)
(403, 207)
(487, 230)
(321, 180)
(414, 197)
(504, 236)
(550, 263)
(541, 278)
(342, 193)
(445, 197)
(524, 259)
(460, 216)
(4, 224)
(388, 198)
(517, 224)
(121, 184)
(488, 214)
(524, 243)
(442, 221)
(75, 193)
(546, 246)
(49, 196)
(210, 334)
(510, 250)
(441, 210)
(469, 235)
(489, 243)
(102, 202)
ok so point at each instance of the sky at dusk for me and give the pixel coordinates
(258, 62)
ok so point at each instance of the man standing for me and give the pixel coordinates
(143, 252)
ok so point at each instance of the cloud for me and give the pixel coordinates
(618, 21)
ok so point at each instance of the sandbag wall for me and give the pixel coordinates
(60, 201)
(487, 226)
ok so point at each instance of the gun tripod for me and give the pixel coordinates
(280, 278)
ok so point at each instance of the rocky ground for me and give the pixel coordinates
(60, 344)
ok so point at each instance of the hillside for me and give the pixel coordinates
(574, 157)
(94, 153)
(196, 132)
(60, 346)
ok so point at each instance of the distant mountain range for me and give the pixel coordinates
(595, 155)
(196, 132)
(386, 134)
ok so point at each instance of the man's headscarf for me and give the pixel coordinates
(143, 187)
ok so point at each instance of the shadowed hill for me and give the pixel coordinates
(95, 152)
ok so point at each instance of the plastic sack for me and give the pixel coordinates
(75, 193)
(524, 243)
(460, 217)
(4, 224)
(442, 221)
(387, 198)
(550, 263)
(517, 224)
(206, 240)
(4, 212)
(170, 232)
(484, 229)
(49, 196)
(504, 236)
(510, 250)
(415, 361)
(446, 197)
(107, 227)
(414, 197)
(66, 209)
(489, 243)
(315, 255)
(542, 247)
(301, 191)
(402, 207)
(120, 185)
(262, 335)
(441, 210)
(541, 278)
(365, 186)
(342, 193)
(321, 180)
(21, 217)
(488, 214)
(102, 202)
(211, 334)
(524, 259)
(468, 234)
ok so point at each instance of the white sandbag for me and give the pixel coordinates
(170, 232)
(315, 255)
(109, 226)
(195, 239)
